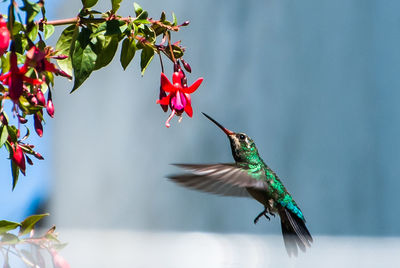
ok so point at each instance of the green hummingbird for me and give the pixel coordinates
(249, 176)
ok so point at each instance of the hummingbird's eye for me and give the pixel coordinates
(242, 137)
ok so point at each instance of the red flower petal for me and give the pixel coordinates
(32, 80)
(188, 109)
(166, 84)
(193, 87)
(164, 101)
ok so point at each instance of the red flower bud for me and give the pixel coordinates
(38, 156)
(29, 160)
(186, 23)
(34, 101)
(4, 36)
(22, 120)
(18, 133)
(38, 125)
(40, 97)
(59, 57)
(186, 66)
(50, 105)
(18, 157)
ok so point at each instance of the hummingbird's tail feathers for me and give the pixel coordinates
(294, 231)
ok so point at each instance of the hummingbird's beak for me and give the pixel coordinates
(227, 131)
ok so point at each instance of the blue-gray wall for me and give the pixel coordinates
(314, 83)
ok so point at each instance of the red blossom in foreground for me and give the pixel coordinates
(15, 79)
(179, 94)
(4, 36)
(58, 260)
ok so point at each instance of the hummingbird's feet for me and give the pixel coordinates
(263, 213)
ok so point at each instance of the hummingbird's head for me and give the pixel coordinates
(242, 145)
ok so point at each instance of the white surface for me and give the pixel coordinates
(101, 248)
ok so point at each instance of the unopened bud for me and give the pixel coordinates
(18, 157)
(186, 23)
(38, 156)
(38, 125)
(33, 101)
(29, 160)
(59, 57)
(186, 66)
(50, 105)
(18, 133)
(22, 120)
(40, 97)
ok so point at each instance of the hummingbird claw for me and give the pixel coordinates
(263, 213)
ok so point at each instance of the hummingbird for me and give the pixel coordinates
(250, 177)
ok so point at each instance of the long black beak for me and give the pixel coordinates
(227, 131)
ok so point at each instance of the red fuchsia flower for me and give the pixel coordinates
(18, 156)
(15, 79)
(4, 36)
(179, 94)
(38, 60)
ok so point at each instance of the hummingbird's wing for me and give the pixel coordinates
(222, 179)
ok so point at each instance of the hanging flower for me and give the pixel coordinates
(15, 79)
(4, 36)
(179, 94)
(18, 156)
(38, 59)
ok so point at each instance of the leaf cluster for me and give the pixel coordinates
(14, 236)
(93, 41)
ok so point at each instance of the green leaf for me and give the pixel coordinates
(89, 3)
(162, 18)
(138, 8)
(31, 9)
(109, 28)
(17, 27)
(6, 226)
(28, 224)
(127, 52)
(83, 58)
(109, 48)
(64, 45)
(34, 32)
(142, 18)
(15, 174)
(12, 132)
(5, 64)
(147, 32)
(9, 239)
(48, 30)
(146, 57)
(3, 135)
(115, 5)
(175, 21)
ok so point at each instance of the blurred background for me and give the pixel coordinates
(314, 83)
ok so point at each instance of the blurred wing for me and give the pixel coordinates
(222, 179)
